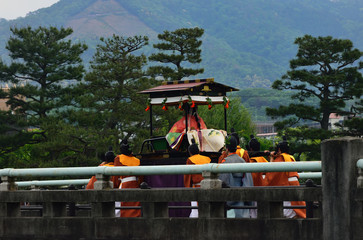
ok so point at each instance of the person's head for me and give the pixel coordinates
(254, 144)
(125, 148)
(193, 148)
(109, 156)
(235, 134)
(283, 147)
(231, 143)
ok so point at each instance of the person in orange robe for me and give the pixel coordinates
(256, 156)
(108, 161)
(127, 159)
(285, 179)
(193, 180)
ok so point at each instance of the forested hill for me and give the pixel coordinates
(247, 43)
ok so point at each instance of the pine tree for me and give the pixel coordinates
(324, 69)
(178, 50)
(111, 103)
(43, 63)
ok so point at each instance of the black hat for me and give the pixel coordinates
(231, 143)
(234, 134)
(193, 148)
(283, 146)
(110, 156)
(254, 144)
(125, 148)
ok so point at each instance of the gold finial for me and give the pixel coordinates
(206, 88)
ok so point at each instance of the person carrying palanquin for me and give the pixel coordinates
(236, 179)
(193, 180)
(285, 179)
(256, 156)
(127, 159)
(108, 159)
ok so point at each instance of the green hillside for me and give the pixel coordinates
(247, 43)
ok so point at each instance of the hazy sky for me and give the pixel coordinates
(11, 9)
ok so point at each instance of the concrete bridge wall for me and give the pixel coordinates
(156, 223)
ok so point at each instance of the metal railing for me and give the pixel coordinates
(43, 183)
(164, 169)
(314, 166)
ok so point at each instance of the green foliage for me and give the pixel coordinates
(42, 61)
(242, 38)
(14, 132)
(177, 47)
(237, 117)
(108, 100)
(323, 69)
(305, 142)
(353, 126)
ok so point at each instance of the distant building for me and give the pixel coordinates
(267, 129)
(3, 106)
(333, 119)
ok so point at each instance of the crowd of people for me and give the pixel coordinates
(233, 153)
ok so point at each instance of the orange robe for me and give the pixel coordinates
(128, 182)
(286, 179)
(193, 180)
(93, 179)
(258, 177)
(243, 154)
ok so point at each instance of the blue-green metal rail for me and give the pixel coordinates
(43, 183)
(164, 169)
(156, 170)
(360, 163)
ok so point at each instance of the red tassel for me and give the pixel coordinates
(193, 104)
(209, 106)
(147, 108)
(165, 108)
(227, 104)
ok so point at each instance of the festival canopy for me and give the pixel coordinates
(200, 91)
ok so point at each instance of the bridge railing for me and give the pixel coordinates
(340, 194)
(102, 173)
(161, 198)
(75, 182)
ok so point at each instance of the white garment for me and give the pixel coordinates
(194, 212)
(289, 213)
(117, 211)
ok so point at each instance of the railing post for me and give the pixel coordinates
(210, 181)
(103, 209)
(309, 204)
(360, 178)
(154, 210)
(8, 184)
(267, 210)
(103, 182)
(339, 181)
(71, 205)
(210, 209)
(34, 187)
(54, 209)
